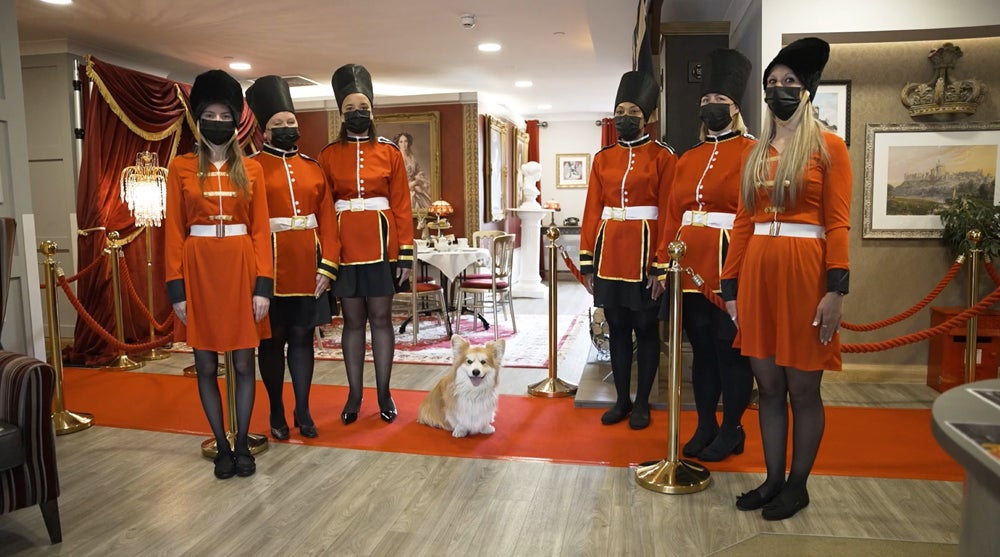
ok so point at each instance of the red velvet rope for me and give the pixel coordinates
(106, 336)
(992, 271)
(130, 286)
(76, 277)
(573, 269)
(919, 306)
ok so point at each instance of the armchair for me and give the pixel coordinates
(28, 474)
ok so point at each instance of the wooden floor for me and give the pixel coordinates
(129, 492)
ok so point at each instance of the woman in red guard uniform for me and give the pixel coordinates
(623, 216)
(371, 194)
(703, 201)
(305, 251)
(218, 258)
(787, 271)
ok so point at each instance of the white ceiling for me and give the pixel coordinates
(572, 50)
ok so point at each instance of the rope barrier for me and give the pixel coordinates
(992, 271)
(919, 305)
(130, 286)
(76, 277)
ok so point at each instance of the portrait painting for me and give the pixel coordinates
(418, 137)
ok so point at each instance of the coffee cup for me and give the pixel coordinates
(463, 242)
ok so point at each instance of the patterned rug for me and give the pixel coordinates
(528, 347)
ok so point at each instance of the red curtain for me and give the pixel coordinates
(609, 136)
(532, 127)
(128, 112)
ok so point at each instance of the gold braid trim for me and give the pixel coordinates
(148, 136)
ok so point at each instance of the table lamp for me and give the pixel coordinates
(553, 206)
(441, 208)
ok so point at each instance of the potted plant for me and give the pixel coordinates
(962, 214)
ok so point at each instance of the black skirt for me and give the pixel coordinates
(302, 311)
(371, 280)
(624, 294)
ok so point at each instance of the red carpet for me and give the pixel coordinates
(869, 442)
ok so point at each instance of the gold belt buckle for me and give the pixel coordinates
(358, 204)
(299, 222)
(220, 230)
(699, 218)
(774, 229)
(618, 213)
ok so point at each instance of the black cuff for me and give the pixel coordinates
(264, 287)
(838, 280)
(175, 291)
(729, 289)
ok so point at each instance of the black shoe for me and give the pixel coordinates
(640, 417)
(728, 441)
(306, 430)
(280, 432)
(244, 464)
(388, 412)
(790, 501)
(702, 438)
(754, 499)
(616, 414)
(225, 465)
(348, 417)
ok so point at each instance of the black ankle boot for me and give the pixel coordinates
(729, 441)
(703, 436)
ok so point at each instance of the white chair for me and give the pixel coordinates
(423, 297)
(483, 239)
(492, 292)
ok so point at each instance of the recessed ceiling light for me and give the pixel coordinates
(239, 66)
(544, 106)
(58, 2)
(489, 47)
(523, 83)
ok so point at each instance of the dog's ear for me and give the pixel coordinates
(458, 346)
(497, 347)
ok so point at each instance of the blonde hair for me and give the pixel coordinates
(738, 125)
(807, 141)
(234, 158)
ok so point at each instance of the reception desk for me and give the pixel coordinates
(981, 492)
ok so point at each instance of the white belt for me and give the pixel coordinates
(643, 212)
(788, 229)
(298, 222)
(218, 230)
(362, 204)
(710, 219)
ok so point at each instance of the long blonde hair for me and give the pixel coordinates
(738, 125)
(234, 158)
(807, 141)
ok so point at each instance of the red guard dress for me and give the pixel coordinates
(371, 194)
(304, 236)
(782, 277)
(218, 254)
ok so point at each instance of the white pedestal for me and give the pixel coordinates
(529, 283)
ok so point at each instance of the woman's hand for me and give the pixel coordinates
(260, 306)
(588, 283)
(402, 273)
(731, 310)
(828, 314)
(655, 286)
(322, 283)
(180, 308)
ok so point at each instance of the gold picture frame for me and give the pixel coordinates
(422, 155)
(495, 171)
(572, 170)
(521, 140)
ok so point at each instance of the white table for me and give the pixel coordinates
(451, 262)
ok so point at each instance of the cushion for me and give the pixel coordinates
(483, 283)
(11, 446)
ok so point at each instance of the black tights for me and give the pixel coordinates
(621, 323)
(378, 313)
(717, 369)
(206, 363)
(779, 385)
(271, 360)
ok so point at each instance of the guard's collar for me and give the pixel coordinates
(272, 150)
(721, 137)
(358, 139)
(635, 142)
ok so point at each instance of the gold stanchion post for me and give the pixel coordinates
(972, 325)
(258, 442)
(552, 386)
(155, 353)
(121, 362)
(63, 420)
(673, 475)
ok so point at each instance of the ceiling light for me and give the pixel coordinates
(489, 47)
(544, 106)
(239, 66)
(523, 83)
(58, 2)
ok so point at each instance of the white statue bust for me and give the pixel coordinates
(531, 172)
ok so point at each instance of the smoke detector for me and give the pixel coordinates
(468, 21)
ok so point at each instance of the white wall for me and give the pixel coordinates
(566, 137)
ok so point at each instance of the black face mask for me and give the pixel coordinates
(358, 121)
(284, 138)
(627, 127)
(217, 132)
(783, 101)
(716, 116)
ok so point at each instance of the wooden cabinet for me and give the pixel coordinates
(946, 353)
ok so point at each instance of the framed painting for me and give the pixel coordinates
(520, 157)
(833, 107)
(572, 171)
(911, 170)
(496, 171)
(418, 136)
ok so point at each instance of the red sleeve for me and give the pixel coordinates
(742, 230)
(329, 236)
(671, 213)
(592, 209)
(399, 202)
(837, 183)
(174, 224)
(260, 225)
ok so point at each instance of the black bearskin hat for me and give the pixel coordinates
(639, 88)
(216, 86)
(268, 96)
(725, 73)
(352, 78)
(806, 57)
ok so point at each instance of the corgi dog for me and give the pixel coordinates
(465, 399)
